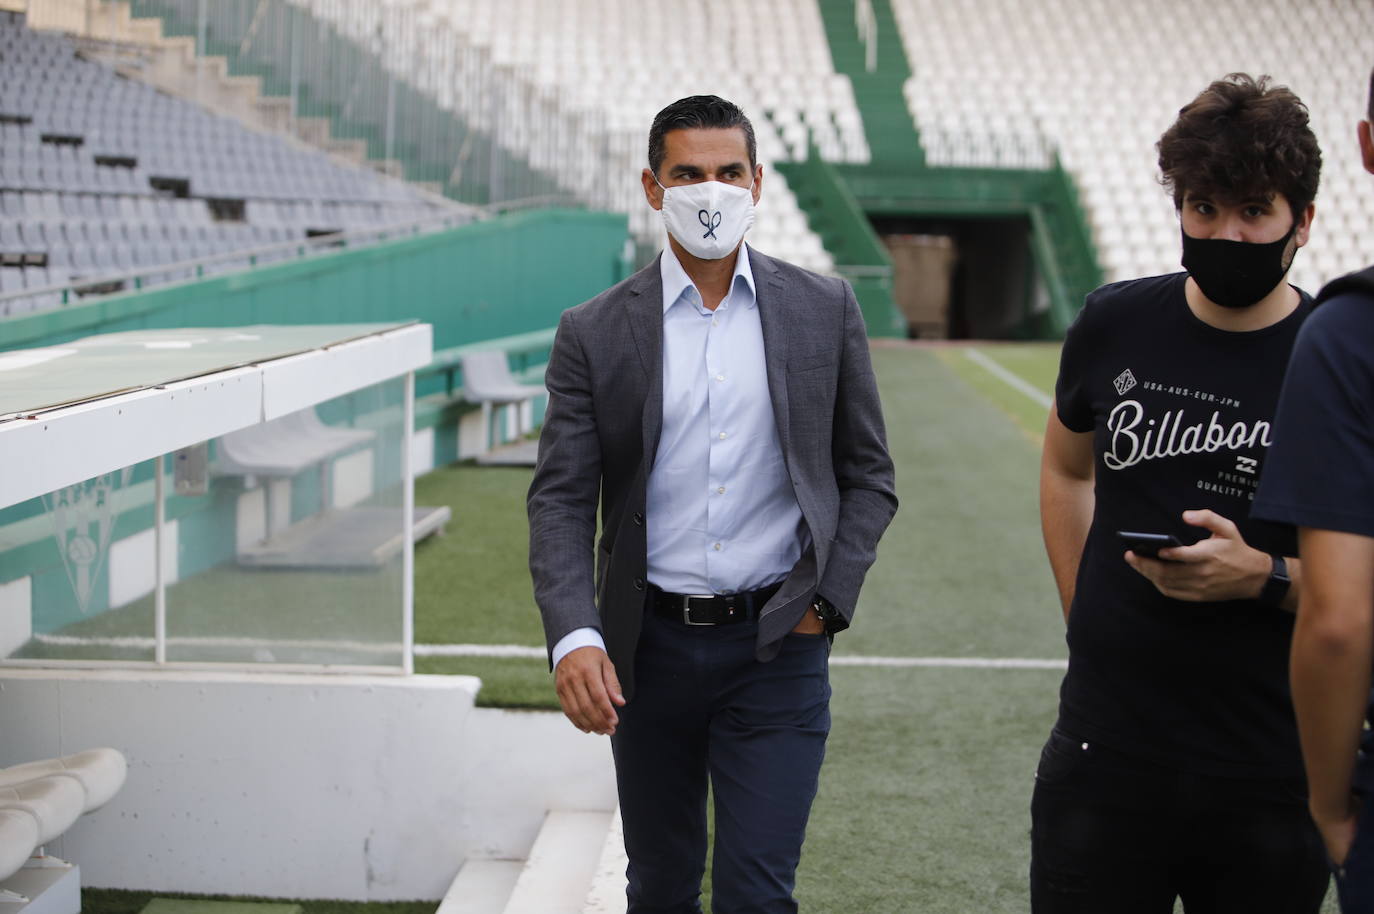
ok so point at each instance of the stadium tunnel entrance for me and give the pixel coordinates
(963, 278)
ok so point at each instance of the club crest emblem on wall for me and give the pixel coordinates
(1124, 382)
(83, 517)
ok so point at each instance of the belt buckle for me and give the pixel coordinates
(687, 607)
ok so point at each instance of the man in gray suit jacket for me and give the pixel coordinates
(723, 406)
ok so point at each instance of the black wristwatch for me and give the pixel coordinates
(1276, 588)
(831, 617)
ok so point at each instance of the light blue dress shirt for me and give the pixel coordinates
(722, 517)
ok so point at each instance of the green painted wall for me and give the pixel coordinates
(835, 215)
(498, 277)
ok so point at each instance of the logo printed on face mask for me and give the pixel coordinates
(725, 211)
(711, 221)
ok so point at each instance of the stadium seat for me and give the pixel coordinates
(487, 380)
(41, 800)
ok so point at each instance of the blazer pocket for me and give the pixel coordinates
(803, 366)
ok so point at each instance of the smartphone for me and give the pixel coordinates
(1147, 544)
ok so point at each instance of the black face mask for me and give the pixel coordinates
(1235, 274)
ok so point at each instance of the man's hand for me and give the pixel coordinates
(1338, 834)
(1221, 567)
(810, 624)
(589, 690)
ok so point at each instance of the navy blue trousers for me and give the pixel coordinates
(704, 708)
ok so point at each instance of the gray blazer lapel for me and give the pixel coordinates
(768, 292)
(644, 309)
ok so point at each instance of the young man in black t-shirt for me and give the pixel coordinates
(1320, 476)
(1174, 769)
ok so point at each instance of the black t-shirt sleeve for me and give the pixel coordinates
(1320, 470)
(1071, 398)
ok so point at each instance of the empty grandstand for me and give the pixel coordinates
(107, 184)
(1020, 134)
(540, 98)
(1100, 81)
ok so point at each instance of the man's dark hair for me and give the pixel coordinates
(1242, 139)
(697, 111)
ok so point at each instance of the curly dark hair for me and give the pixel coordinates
(695, 111)
(1242, 139)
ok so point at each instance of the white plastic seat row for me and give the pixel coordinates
(1100, 81)
(41, 800)
(604, 85)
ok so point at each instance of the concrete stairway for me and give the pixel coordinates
(576, 866)
(888, 127)
(138, 49)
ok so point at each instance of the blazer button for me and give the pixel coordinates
(639, 583)
(639, 520)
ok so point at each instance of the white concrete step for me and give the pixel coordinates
(607, 893)
(561, 864)
(482, 887)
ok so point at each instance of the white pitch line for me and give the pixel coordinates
(480, 650)
(523, 651)
(972, 663)
(1016, 381)
(143, 642)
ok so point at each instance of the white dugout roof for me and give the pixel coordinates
(80, 409)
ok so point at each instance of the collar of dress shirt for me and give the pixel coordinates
(676, 280)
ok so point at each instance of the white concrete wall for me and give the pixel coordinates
(472, 435)
(133, 564)
(250, 519)
(353, 477)
(16, 615)
(422, 451)
(362, 788)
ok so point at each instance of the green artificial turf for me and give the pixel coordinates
(210, 906)
(924, 802)
(507, 682)
(961, 571)
(472, 585)
(232, 602)
(118, 901)
(1035, 363)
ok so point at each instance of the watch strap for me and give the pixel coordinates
(833, 619)
(1276, 588)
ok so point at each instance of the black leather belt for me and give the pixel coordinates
(711, 609)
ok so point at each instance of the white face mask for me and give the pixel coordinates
(710, 218)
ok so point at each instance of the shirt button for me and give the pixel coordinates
(714, 322)
(717, 547)
(720, 377)
(721, 490)
(722, 435)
